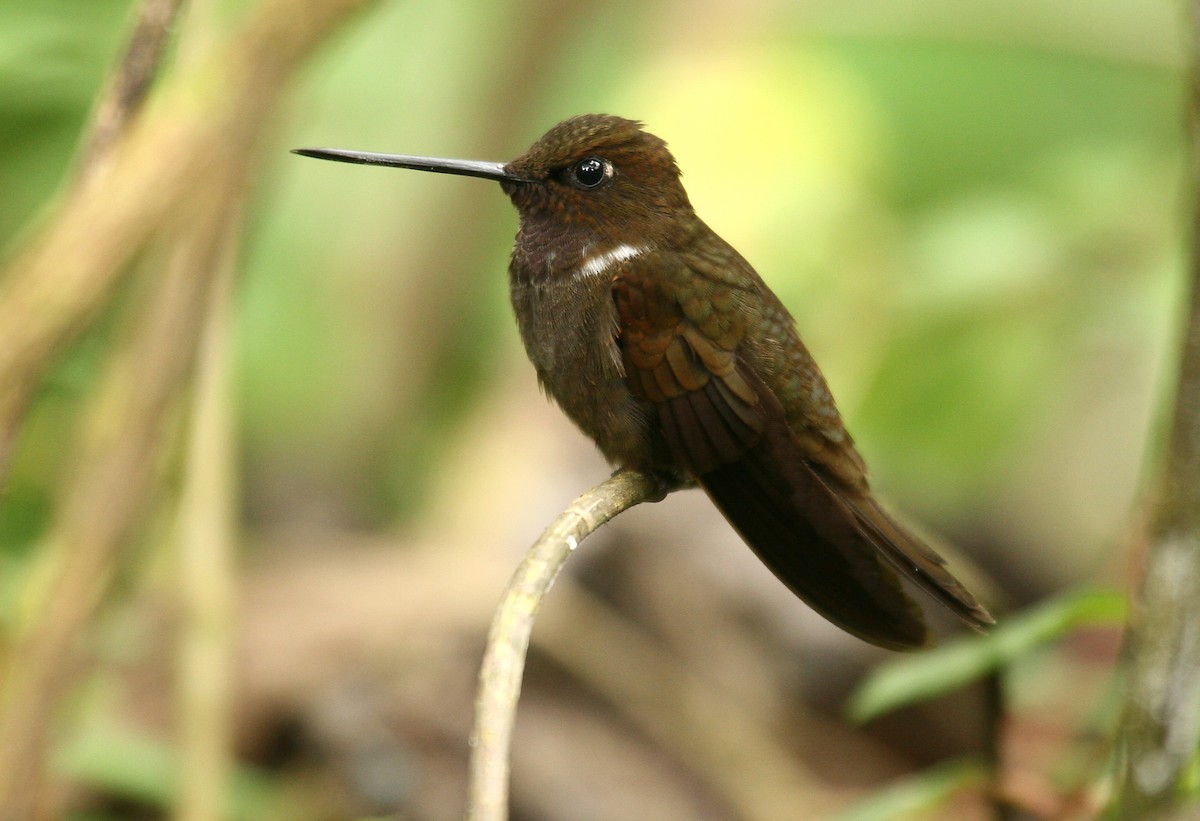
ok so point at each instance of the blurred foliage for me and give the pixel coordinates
(52, 58)
(956, 664)
(142, 768)
(971, 209)
(920, 794)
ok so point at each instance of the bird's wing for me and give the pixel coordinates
(683, 341)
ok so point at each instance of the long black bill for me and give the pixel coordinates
(466, 168)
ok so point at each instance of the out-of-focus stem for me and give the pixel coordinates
(1160, 730)
(129, 84)
(65, 273)
(120, 454)
(207, 572)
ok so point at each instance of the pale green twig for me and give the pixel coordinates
(207, 568)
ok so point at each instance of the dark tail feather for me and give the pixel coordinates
(811, 540)
(836, 549)
(919, 562)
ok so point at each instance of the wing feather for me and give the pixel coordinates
(789, 493)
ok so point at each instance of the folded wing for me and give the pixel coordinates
(828, 540)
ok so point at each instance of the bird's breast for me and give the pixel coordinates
(568, 324)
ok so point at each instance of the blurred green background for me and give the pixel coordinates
(973, 210)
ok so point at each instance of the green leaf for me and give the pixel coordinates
(138, 766)
(1189, 784)
(916, 678)
(918, 794)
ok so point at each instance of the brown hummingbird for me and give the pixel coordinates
(665, 347)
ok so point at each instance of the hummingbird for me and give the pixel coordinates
(663, 345)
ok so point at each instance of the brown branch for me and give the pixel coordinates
(126, 90)
(1160, 729)
(508, 639)
(64, 275)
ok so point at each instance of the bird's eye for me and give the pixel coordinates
(591, 172)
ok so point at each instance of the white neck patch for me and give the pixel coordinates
(596, 265)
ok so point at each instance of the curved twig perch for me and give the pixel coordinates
(508, 638)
